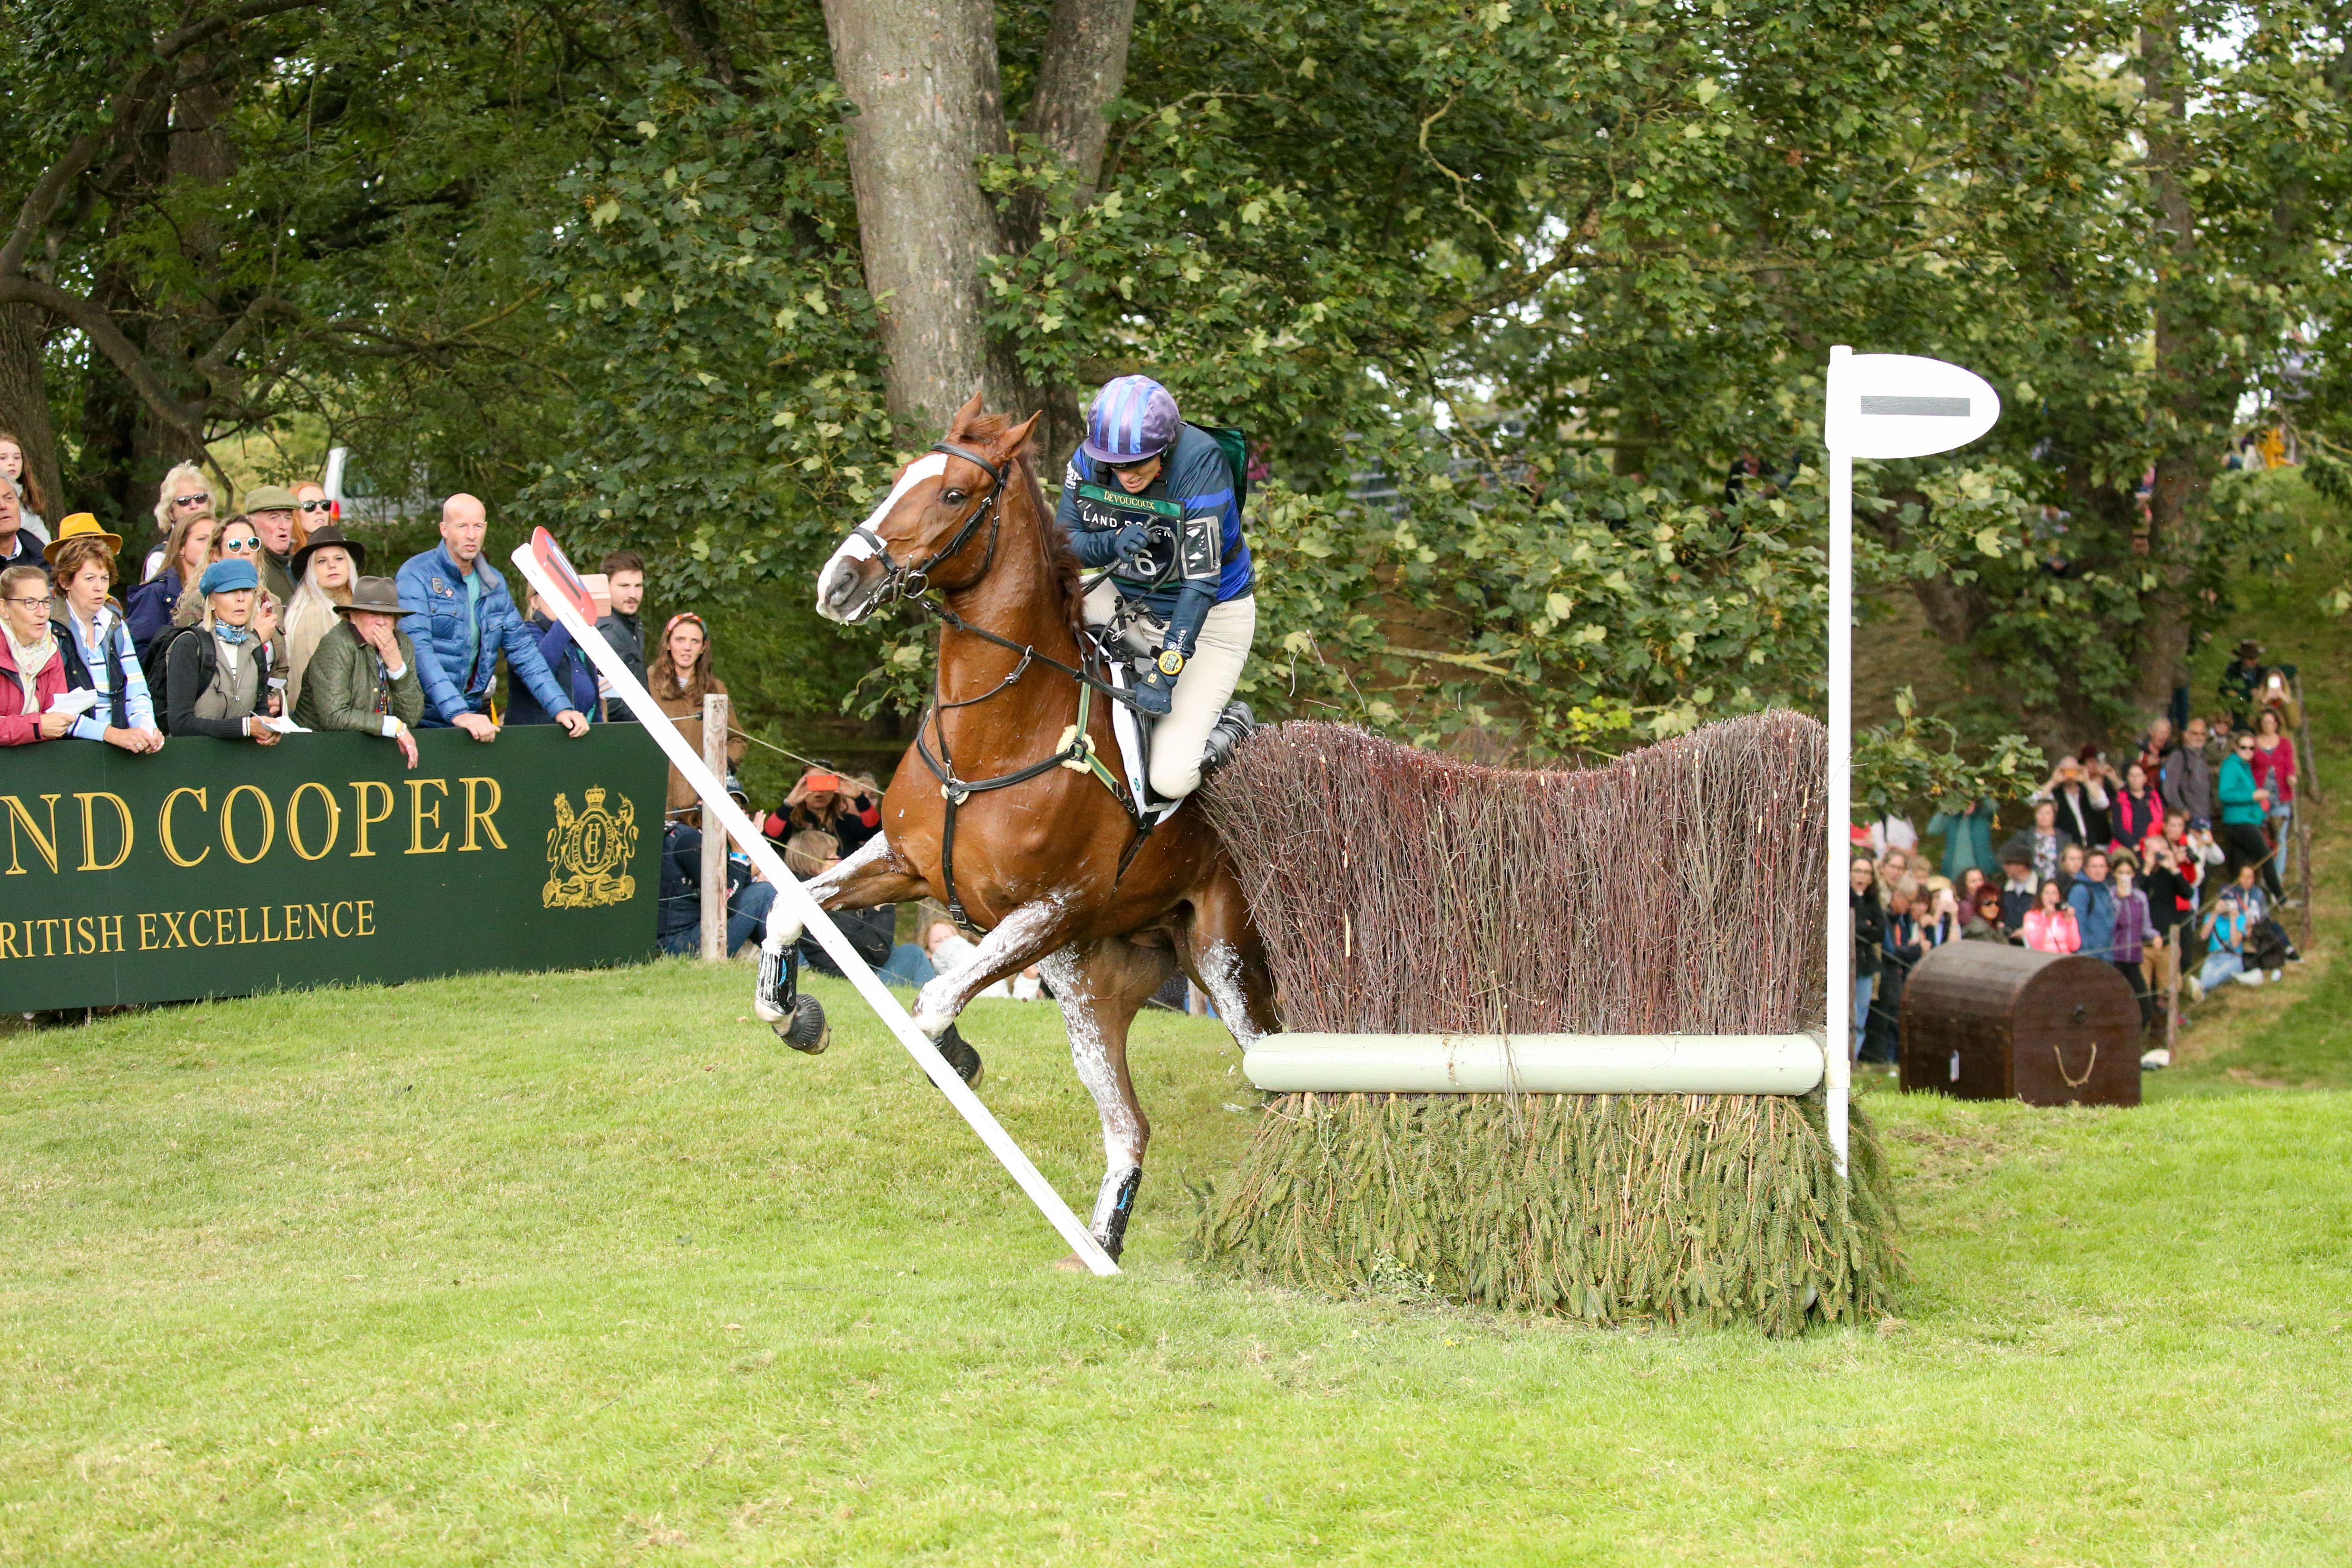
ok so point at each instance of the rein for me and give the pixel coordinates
(913, 586)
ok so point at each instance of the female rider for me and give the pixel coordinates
(1157, 502)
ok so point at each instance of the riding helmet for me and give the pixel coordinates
(1132, 418)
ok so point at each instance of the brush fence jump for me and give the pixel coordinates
(1536, 1064)
(1550, 1036)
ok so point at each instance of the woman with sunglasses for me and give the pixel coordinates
(1153, 506)
(182, 495)
(2244, 804)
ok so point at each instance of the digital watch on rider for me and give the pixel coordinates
(1171, 663)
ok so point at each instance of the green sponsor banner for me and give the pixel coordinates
(218, 868)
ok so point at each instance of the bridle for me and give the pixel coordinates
(913, 584)
(900, 581)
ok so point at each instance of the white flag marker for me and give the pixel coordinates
(1880, 406)
(543, 567)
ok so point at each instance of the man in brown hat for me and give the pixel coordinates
(363, 675)
(2239, 681)
(270, 509)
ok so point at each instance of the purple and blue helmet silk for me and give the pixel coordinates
(1133, 417)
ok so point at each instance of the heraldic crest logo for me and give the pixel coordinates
(585, 850)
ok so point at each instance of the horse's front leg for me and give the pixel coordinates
(1021, 939)
(874, 875)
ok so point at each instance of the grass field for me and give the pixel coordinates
(582, 1269)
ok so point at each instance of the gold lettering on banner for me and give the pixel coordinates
(585, 852)
(294, 820)
(45, 846)
(228, 824)
(163, 826)
(85, 936)
(89, 829)
(360, 788)
(482, 814)
(418, 817)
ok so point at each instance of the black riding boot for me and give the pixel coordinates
(1233, 726)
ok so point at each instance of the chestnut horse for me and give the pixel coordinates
(1048, 863)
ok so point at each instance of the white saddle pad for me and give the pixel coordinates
(1126, 723)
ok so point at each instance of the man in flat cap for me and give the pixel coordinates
(271, 510)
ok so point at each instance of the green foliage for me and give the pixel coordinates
(1917, 758)
(1706, 1209)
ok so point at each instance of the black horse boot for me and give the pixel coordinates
(798, 1020)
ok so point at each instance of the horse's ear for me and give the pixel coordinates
(960, 426)
(1017, 439)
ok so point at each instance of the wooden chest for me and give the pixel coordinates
(1986, 1022)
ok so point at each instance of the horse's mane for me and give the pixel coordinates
(1062, 568)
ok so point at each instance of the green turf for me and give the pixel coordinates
(583, 1268)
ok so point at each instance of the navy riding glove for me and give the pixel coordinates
(1155, 693)
(1132, 540)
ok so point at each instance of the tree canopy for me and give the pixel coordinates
(1502, 293)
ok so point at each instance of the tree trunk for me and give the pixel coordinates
(922, 76)
(2184, 352)
(25, 403)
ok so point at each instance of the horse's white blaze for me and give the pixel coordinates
(855, 549)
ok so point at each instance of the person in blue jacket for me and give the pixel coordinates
(1155, 504)
(567, 661)
(458, 612)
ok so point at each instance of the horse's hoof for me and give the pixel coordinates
(805, 1030)
(961, 1056)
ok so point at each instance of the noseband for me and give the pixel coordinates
(900, 581)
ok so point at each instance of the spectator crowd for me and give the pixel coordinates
(2172, 869)
(260, 624)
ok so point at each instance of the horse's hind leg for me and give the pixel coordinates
(1225, 956)
(1099, 986)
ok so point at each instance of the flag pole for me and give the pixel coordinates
(1837, 1075)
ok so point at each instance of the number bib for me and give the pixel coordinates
(1179, 548)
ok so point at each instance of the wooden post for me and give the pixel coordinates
(2307, 785)
(2303, 864)
(2172, 989)
(714, 837)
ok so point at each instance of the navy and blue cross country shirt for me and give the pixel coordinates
(1197, 557)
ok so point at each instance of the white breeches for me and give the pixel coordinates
(1201, 691)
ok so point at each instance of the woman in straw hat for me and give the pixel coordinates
(100, 656)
